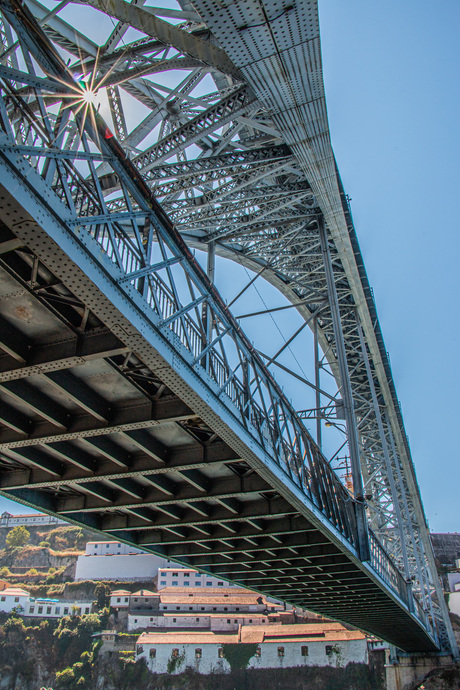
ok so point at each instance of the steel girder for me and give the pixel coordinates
(237, 136)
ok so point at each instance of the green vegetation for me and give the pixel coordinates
(18, 536)
(239, 655)
(175, 662)
(5, 572)
(102, 594)
(67, 645)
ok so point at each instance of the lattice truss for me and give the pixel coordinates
(216, 161)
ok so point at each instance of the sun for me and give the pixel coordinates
(89, 96)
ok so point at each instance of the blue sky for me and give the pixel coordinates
(393, 97)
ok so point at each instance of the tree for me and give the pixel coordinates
(102, 594)
(18, 536)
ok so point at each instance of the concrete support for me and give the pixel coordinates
(405, 672)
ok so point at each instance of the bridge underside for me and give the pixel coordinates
(98, 428)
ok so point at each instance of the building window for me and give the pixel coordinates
(304, 650)
(237, 608)
(118, 600)
(209, 584)
(250, 620)
(136, 599)
(236, 621)
(197, 653)
(225, 608)
(174, 620)
(31, 610)
(152, 653)
(197, 620)
(187, 575)
(328, 650)
(163, 582)
(220, 653)
(214, 608)
(220, 584)
(175, 653)
(87, 609)
(197, 575)
(190, 608)
(175, 575)
(228, 620)
(126, 599)
(66, 611)
(40, 609)
(186, 584)
(135, 620)
(3, 598)
(140, 649)
(202, 608)
(197, 584)
(177, 608)
(280, 651)
(174, 583)
(16, 598)
(258, 652)
(57, 610)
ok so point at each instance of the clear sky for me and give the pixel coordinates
(393, 95)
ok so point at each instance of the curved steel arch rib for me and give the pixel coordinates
(244, 114)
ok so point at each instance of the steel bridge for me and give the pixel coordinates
(131, 400)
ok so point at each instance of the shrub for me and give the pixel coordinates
(18, 536)
(5, 572)
(32, 572)
(65, 678)
(44, 544)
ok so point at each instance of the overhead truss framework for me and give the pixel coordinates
(235, 146)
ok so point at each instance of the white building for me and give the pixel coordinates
(210, 621)
(56, 608)
(27, 606)
(110, 548)
(14, 598)
(119, 599)
(112, 560)
(187, 577)
(215, 608)
(454, 600)
(454, 579)
(271, 647)
(33, 519)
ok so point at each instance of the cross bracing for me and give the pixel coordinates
(241, 161)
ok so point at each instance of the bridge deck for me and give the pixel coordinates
(103, 424)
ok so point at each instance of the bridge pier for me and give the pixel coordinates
(405, 672)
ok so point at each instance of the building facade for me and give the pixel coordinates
(112, 560)
(19, 600)
(270, 647)
(214, 608)
(187, 577)
(32, 519)
(14, 598)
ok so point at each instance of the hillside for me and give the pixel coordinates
(50, 554)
